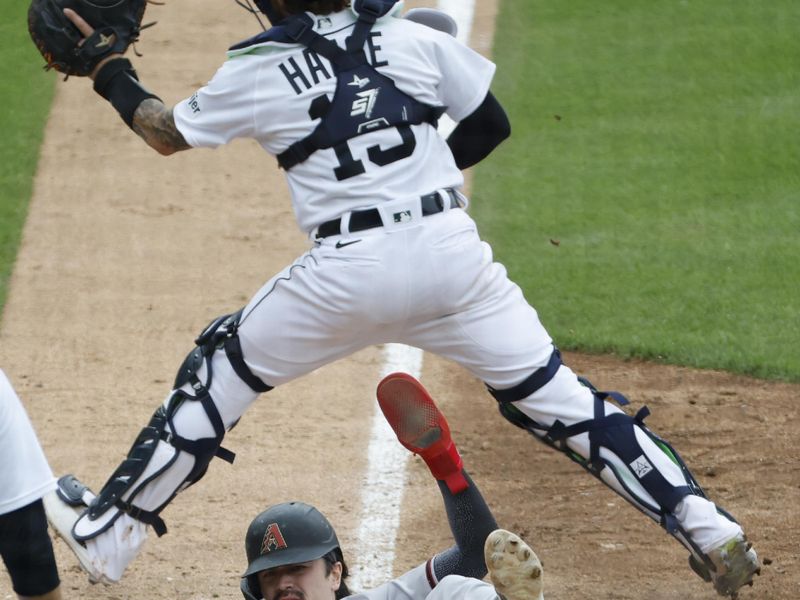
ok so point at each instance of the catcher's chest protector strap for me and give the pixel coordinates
(364, 100)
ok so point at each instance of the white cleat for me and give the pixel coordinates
(514, 569)
(734, 565)
(62, 516)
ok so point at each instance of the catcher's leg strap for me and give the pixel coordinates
(616, 432)
(152, 456)
(537, 380)
(222, 332)
(176, 447)
(656, 480)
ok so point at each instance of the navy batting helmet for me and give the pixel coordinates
(286, 534)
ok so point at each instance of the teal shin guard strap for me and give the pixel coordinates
(117, 82)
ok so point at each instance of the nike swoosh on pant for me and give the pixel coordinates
(341, 244)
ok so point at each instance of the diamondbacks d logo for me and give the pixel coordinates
(273, 539)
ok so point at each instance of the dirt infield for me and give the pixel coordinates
(127, 255)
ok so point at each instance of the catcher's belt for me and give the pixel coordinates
(370, 218)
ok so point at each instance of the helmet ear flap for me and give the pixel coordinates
(251, 588)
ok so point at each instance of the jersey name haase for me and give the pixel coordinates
(303, 77)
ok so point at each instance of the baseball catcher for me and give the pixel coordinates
(347, 97)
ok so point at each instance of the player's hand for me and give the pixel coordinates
(87, 30)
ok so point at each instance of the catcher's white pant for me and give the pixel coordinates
(428, 282)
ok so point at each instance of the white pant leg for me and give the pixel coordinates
(25, 474)
(565, 399)
(455, 587)
(330, 304)
(468, 310)
(301, 319)
(491, 330)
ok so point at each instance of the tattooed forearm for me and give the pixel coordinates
(154, 123)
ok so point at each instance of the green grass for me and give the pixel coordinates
(25, 93)
(658, 144)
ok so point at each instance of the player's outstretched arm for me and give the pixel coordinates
(115, 79)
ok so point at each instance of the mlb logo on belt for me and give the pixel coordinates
(404, 216)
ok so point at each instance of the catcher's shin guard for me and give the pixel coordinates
(176, 447)
(621, 451)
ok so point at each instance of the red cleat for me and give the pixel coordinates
(421, 427)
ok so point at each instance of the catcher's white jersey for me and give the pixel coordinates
(25, 475)
(265, 91)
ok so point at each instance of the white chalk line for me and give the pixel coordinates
(385, 479)
(382, 487)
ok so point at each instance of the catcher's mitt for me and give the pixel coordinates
(116, 24)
